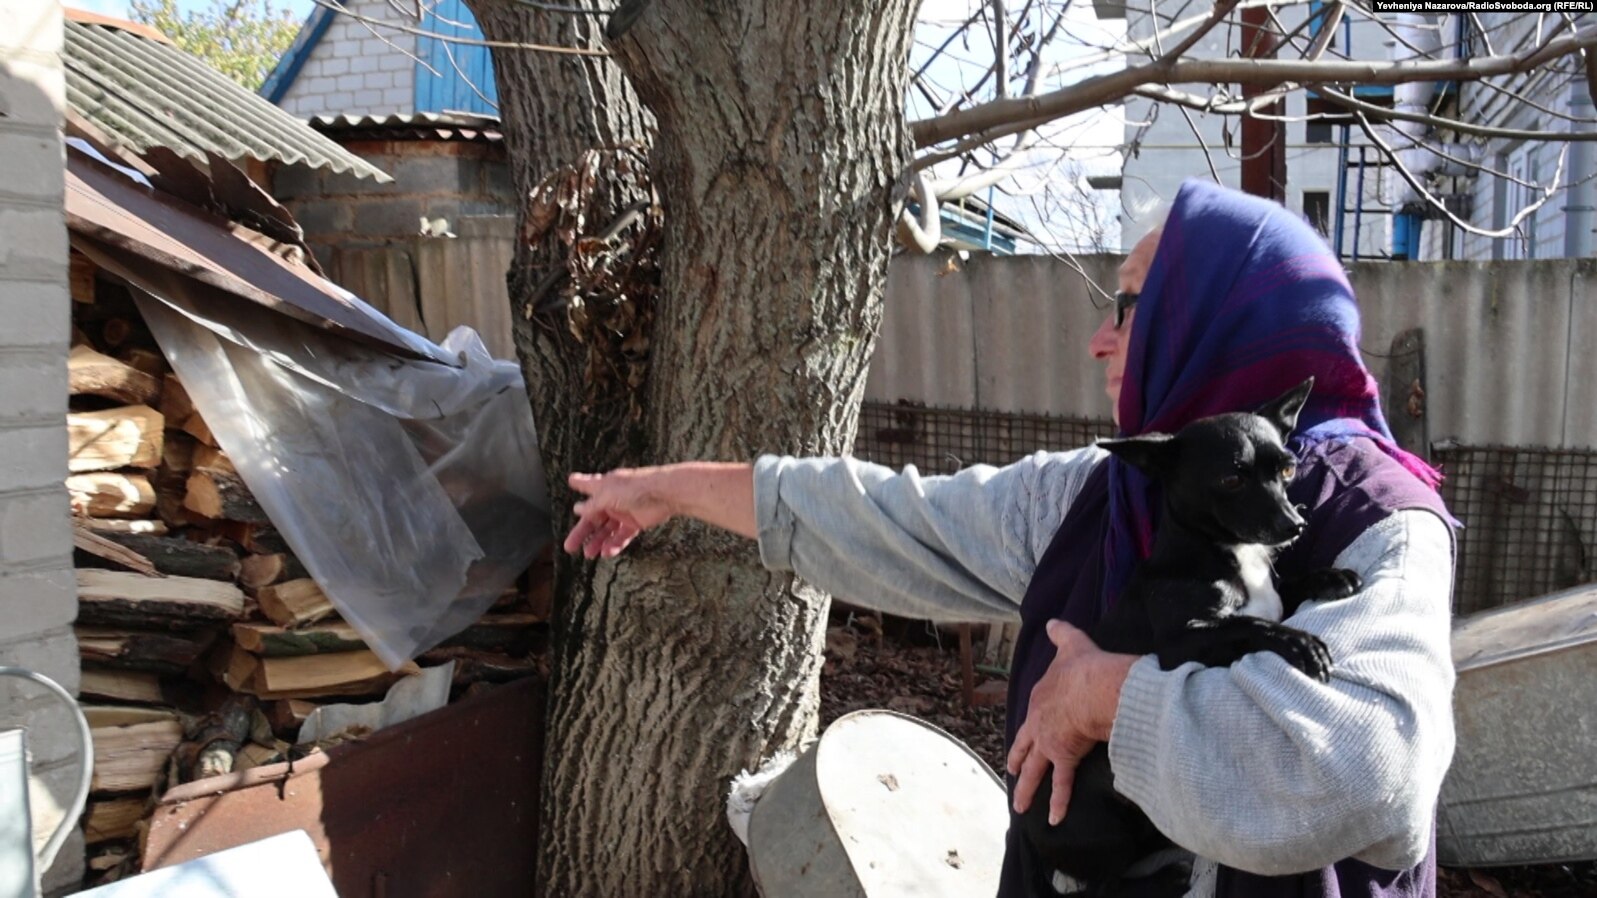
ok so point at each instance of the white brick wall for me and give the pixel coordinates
(38, 599)
(358, 69)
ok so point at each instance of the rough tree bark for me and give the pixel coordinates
(781, 137)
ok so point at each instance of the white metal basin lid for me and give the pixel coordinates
(1553, 622)
(916, 811)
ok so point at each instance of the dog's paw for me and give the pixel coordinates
(1326, 584)
(1304, 651)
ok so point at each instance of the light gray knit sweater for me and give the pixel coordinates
(1253, 766)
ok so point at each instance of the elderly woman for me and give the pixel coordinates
(1278, 784)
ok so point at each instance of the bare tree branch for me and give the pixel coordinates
(1003, 117)
(1436, 203)
(341, 9)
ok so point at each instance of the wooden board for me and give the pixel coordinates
(126, 437)
(108, 594)
(90, 373)
(111, 495)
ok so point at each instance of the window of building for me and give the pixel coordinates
(1317, 209)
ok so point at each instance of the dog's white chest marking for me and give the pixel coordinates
(1262, 599)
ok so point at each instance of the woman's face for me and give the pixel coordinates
(1108, 343)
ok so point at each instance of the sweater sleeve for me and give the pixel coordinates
(1265, 770)
(956, 547)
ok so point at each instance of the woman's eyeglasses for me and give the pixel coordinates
(1125, 301)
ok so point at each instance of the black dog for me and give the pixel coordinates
(1207, 593)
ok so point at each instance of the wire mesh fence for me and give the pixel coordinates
(943, 440)
(1529, 513)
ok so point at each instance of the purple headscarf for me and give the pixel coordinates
(1248, 301)
(1243, 300)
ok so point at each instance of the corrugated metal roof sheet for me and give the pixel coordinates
(143, 93)
(417, 126)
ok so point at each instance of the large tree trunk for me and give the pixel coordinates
(781, 138)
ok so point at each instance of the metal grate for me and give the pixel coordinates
(943, 440)
(1529, 514)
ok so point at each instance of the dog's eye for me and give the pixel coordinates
(1231, 482)
(1289, 472)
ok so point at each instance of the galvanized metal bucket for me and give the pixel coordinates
(882, 805)
(1523, 785)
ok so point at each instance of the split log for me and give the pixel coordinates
(80, 278)
(272, 641)
(309, 676)
(287, 715)
(121, 685)
(177, 453)
(90, 373)
(263, 539)
(126, 437)
(91, 543)
(473, 666)
(175, 402)
(131, 749)
(171, 488)
(212, 458)
(109, 860)
(115, 818)
(148, 361)
(141, 650)
(195, 426)
(117, 525)
(294, 603)
(512, 634)
(213, 493)
(256, 571)
(183, 557)
(110, 495)
(117, 596)
(213, 741)
(116, 331)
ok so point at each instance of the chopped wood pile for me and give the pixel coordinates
(205, 642)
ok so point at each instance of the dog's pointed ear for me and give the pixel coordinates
(1283, 410)
(1151, 453)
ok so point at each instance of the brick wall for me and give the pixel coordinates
(358, 68)
(38, 598)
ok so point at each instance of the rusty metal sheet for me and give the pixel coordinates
(110, 208)
(442, 805)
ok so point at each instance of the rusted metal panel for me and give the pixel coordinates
(442, 805)
(1523, 785)
(109, 209)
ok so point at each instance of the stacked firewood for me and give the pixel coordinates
(204, 641)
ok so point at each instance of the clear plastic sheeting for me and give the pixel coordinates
(411, 490)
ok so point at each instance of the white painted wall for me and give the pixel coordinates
(38, 595)
(358, 68)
